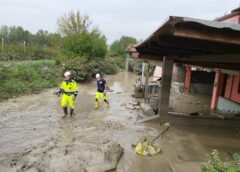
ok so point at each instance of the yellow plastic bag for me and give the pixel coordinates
(145, 148)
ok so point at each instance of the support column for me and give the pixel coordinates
(188, 79)
(228, 88)
(217, 89)
(146, 81)
(164, 94)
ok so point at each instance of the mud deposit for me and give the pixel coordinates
(34, 137)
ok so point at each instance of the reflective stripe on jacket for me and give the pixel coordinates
(69, 87)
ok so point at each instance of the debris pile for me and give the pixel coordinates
(133, 105)
(111, 158)
(114, 125)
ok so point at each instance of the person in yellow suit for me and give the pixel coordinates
(101, 91)
(69, 93)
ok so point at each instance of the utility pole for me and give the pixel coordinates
(2, 45)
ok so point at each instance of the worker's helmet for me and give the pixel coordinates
(67, 73)
(98, 75)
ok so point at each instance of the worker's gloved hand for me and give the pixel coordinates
(74, 98)
(105, 92)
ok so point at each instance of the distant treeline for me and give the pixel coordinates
(20, 44)
(18, 35)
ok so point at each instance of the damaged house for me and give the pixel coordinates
(206, 53)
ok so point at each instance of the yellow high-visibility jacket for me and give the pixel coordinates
(69, 88)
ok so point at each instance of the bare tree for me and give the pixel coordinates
(73, 23)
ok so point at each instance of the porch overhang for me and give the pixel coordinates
(198, 42)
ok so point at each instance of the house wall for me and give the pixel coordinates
(199, 88)
(232, 85)
(235, 94)
(232, 91)
(200, 82)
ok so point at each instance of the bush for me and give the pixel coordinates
(86, 45)
(119, 61)
(86, 70)
(215, 164)
(18, 78)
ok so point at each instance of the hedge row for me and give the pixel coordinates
(86, 70)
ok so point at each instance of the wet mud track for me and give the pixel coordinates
(34, 137)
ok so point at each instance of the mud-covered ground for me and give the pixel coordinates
(34, 137)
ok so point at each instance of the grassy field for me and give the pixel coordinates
(24, 77)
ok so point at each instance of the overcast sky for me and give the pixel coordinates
(137, 18)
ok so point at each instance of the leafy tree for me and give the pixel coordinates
(73, 23)
(18, 34)
(41, 38)
(4, 31)
(55, 40)
(118, 47)
(14, 34)
(86, 45)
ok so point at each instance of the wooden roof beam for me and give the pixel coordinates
(201, 34)
(228, 58)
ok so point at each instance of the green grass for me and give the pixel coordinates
(235, 156)
(25, 77)
(215, 164)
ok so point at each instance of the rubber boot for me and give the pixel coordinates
(107, 103)
(65, 112)
(71, 112)
(96, 104)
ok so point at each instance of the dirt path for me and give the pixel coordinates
(33, 137)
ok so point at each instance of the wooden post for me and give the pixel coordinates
(228, 88)
(188, 79)
(2, 45)
(164, 95)
(146, 81)
(217, 89)
(24, 46)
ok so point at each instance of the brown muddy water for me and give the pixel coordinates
(34, 137)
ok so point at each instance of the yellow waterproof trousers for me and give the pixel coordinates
(100, 95)
(67, 100)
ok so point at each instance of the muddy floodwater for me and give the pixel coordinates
(34, 137)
